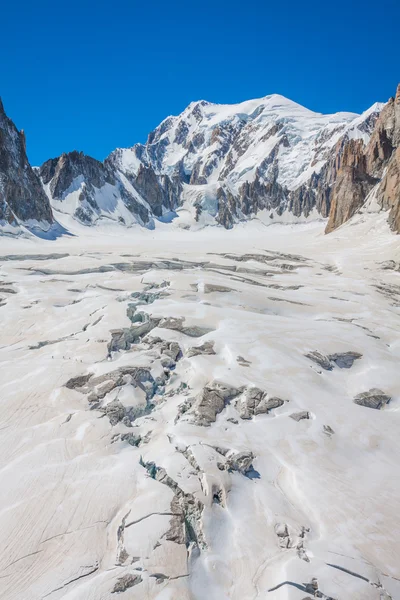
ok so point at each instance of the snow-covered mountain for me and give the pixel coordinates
(217, 163)
(235, 160)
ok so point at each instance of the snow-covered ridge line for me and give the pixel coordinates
(217, 164)
(213, 163)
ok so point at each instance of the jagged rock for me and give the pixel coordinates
(122, 339)
(22, 198)
(210, 402)
(374, 398)
(343, 360)
(320, 359)
(240, 461)
(299, 416)
(126, 582)
(254, 401)
(206, 348)
(177, 324)
(362, 166)
(115, 412)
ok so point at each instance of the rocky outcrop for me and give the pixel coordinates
(255, 402)
(206, 348)
(363, 166)
(374, 398)
(125, 582)
(210, 402)
(22, 199)
(343, 360)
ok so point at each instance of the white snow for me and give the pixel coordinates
(66, 488)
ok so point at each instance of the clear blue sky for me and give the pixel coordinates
(93, 75)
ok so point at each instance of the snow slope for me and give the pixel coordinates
(111, 487)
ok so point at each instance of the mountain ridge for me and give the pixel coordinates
(224, 163)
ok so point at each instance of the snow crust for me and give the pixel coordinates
(68, 486)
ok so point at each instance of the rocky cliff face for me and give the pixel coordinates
(364, 166)
(22, 199)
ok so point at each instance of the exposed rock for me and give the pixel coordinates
(122, 339)
(78, 382)
(254, 401)
(240, 461)
(177, 324)
(126, 582)
(206, 348)
(343, 360)
(320, 359)
(374, 398)
(115, 412)
(210, 402)
(22, 198)
(361, 166)
(299, 416)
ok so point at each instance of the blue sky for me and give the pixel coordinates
(92, 76)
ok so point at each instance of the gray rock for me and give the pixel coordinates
(374, 398)
(177, 324)
(124, 583)
(320, 359)
(22, 197)
(303, 414)
(122, 339)
(240, 461)
(254, 401)
(115, 412)
(210, 402)
(344, 360)
(78, 382)
(206, 348)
